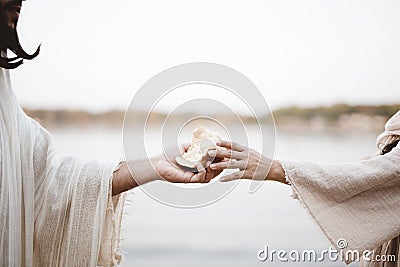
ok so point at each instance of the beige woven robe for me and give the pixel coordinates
(54, 211)
(358, 202)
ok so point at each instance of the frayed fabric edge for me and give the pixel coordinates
(115, 206)
(293, 193)
(296, 195)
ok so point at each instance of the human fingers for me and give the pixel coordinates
(231, 164)
(231, 145)
(200, 177)
(210, 173)
(225, 153)
(233, 176)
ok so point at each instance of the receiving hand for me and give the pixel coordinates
(163, 167)
(251, 164)
(168, 169)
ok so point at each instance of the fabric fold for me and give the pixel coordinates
(391, 133)
(357, 202)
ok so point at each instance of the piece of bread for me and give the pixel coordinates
(202, 141)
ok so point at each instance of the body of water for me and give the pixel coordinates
(231, 231)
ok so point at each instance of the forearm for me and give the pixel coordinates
(123, 180)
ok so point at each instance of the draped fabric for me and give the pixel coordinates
(388, 248)
(358, 202)
(54, 211)
(391, 133)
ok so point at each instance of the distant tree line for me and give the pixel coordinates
(332, 113)
(328, 113)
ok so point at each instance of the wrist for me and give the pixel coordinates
(144, 171)
(154, 168)
(277, 173)
(122, 179)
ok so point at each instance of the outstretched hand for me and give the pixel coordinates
(251, 164)
(163, 167)
(173, 174)
(168, 169)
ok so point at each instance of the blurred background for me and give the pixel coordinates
(328, 70)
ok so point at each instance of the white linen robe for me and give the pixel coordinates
(53, 211)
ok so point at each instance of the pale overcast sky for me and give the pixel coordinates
(96, 54)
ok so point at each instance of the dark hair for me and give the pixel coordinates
(10, 41)
(14, 45)
(389, 147)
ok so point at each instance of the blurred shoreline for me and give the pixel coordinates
(340, 118)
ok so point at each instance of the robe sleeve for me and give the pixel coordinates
(358, 202)
(77, 221)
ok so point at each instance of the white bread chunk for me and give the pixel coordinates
(202, 141)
